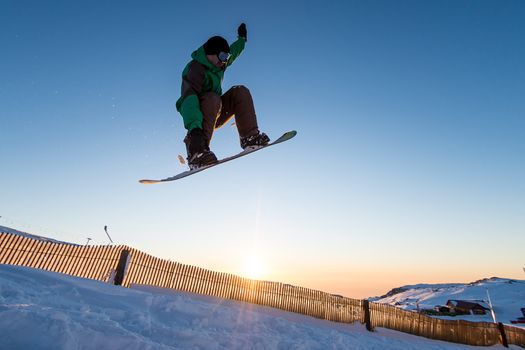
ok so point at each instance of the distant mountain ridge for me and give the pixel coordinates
(507, 297)
(438, 286)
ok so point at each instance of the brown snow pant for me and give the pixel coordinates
(217, 110)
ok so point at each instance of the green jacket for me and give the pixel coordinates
(201, 76)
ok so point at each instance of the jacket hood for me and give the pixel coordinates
(200, 56)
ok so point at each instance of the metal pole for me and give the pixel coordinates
(106, 230)
(491, 308)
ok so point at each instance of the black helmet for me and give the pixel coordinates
(216, 45)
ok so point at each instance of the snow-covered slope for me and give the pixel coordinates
(29, 235)
(44, 310)
(507, 297)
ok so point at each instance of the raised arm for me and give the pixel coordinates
(238, 46)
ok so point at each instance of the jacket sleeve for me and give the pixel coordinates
(189, 106)
(235, 49)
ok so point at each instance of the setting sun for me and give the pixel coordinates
(253, 267)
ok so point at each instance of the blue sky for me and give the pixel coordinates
(408, 164)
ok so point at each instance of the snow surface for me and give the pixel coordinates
(46, 310)
(507, 296)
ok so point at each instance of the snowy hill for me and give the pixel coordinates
(507, 296)
(29, 235)
(45, 310)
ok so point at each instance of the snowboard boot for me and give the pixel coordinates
(199, 154)
(255, 141)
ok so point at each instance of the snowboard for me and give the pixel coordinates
(285, 137)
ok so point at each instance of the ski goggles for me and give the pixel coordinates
(223, 56)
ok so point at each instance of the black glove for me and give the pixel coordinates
(241, 31)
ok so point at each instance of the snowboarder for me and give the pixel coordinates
(203, 106)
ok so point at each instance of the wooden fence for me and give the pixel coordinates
(95, 262)
(128, 266)
(456, 331)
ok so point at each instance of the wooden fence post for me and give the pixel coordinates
(121, 267)
(504, 341)
(366, 312)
